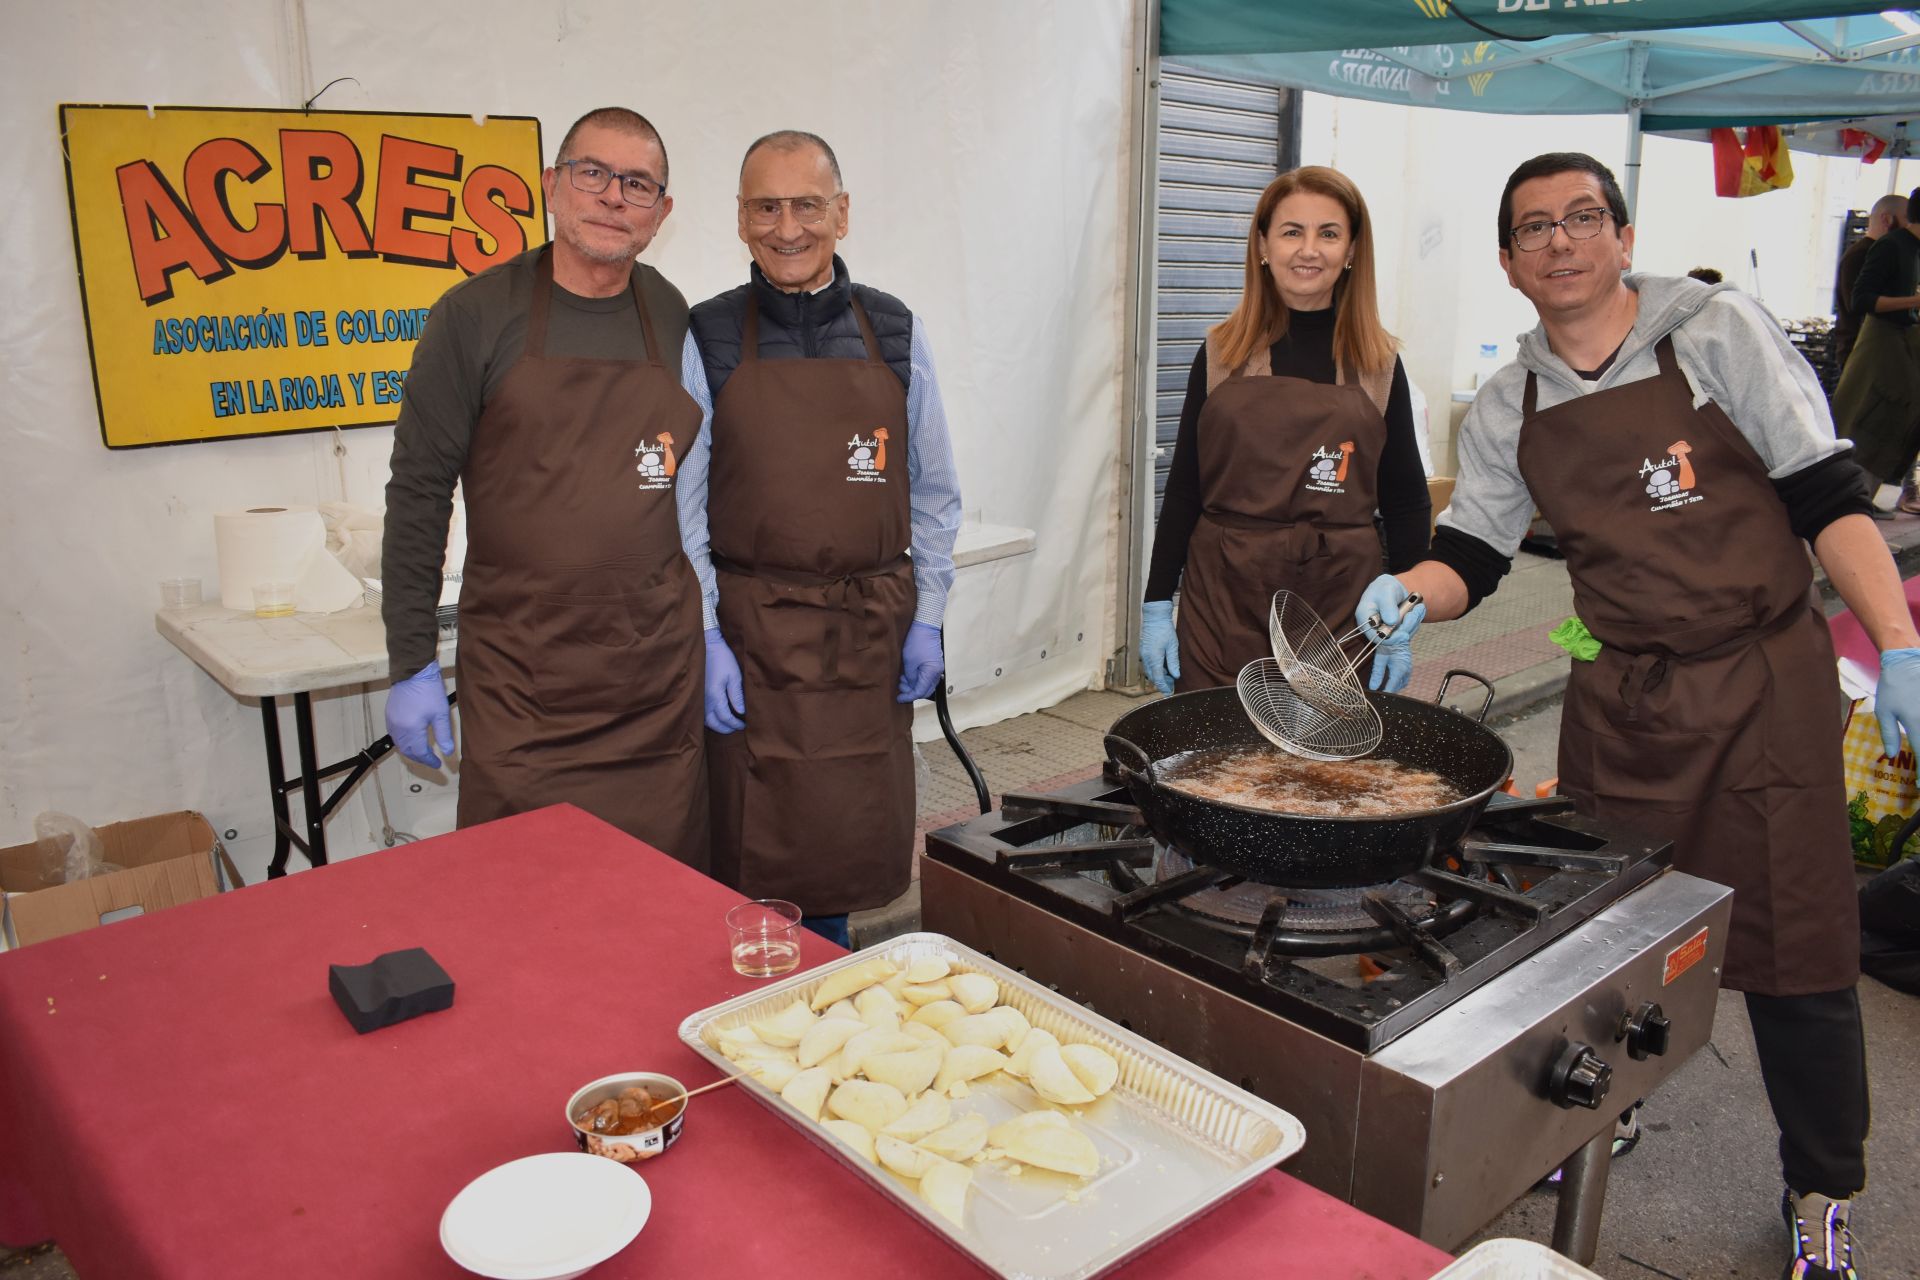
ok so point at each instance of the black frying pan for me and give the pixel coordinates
(1310, 852)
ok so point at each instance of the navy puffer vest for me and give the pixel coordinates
(802, 325)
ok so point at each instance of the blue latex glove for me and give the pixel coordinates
(921, 662)
(726, 697)
(1159, 647)
(1393, 656)
(414, 706)
(1897, 701)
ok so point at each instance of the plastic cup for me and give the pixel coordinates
(179, 593)
(764, 938)
(272, 599)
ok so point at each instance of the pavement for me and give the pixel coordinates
(1699, 1197)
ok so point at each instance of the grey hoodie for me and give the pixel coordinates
(1732, 352)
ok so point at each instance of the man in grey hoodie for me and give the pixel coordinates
(1683, 452)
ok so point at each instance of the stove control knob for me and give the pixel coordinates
(1579, 1079)
(1648, 1032)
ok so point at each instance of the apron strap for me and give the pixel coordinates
(543, 303)
(542, 300)
(1377, 385)
(866, 330)
(1257, 365)
(1663, 351)
(1649, 669)
(646, 323)
(849, 595)
(750, 331)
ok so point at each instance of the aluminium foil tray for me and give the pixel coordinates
(1174, 1140)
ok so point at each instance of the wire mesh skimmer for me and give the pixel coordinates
(1308, 698)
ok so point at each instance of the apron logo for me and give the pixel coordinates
(655, 463)
(1328, 474)
(1670, 481)
(867, 457)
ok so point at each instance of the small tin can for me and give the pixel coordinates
(629, 1147)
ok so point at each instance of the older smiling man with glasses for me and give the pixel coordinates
(829, 460)
(551, 386)
(1683, 452)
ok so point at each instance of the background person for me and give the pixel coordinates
(1887, 213)
(828, 459)
(550, 385)
(1681, 448)
(1297, 425)
(1877, 401)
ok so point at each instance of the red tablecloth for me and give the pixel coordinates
(180, 1097)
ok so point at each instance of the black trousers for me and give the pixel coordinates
(1813, 1058)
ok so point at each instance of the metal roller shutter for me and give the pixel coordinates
(1221, 143)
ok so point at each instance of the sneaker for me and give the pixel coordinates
(1822, 1240)
(1626, 1136)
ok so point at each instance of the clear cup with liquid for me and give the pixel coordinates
(764, 938)
(272, 599)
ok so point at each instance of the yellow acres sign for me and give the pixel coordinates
(252, 272)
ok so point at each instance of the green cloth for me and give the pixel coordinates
(1573, 636)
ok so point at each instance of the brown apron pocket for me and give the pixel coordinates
(616, 652)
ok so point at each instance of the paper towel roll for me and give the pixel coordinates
(280, 544)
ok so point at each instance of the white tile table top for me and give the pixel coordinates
(269, 657)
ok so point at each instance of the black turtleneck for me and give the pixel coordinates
(1304, 351)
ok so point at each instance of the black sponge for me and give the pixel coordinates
(396, 986)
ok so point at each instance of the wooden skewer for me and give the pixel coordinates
(691, 1093)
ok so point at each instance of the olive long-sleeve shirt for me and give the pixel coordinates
(474, 335)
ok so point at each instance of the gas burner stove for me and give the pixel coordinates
(1360, 965)
(1302, 919)
(1447, 1039)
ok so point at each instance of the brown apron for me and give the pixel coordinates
(813, 800)
(1287, 475)
(1712, 715)
(581, 661)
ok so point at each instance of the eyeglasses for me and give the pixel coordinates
(764, 211)
(592, 177)
(1581, 224)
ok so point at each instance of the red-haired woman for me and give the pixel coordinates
(1298, 424)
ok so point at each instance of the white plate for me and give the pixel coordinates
(545, 1217)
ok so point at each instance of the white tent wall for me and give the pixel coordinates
(985, 148)
(1433, 179)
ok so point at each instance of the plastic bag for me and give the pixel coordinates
(353, 537)
(69, 849)
(1881, 790)
(1890, 926)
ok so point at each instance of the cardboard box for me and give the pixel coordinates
(166, 860)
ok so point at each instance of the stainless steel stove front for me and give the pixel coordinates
(1444, 1127)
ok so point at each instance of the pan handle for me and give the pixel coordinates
(1485, 703)
(1130, 760)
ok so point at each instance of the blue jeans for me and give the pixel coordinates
(832, 928)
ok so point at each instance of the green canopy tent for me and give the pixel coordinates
(1681, 66)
